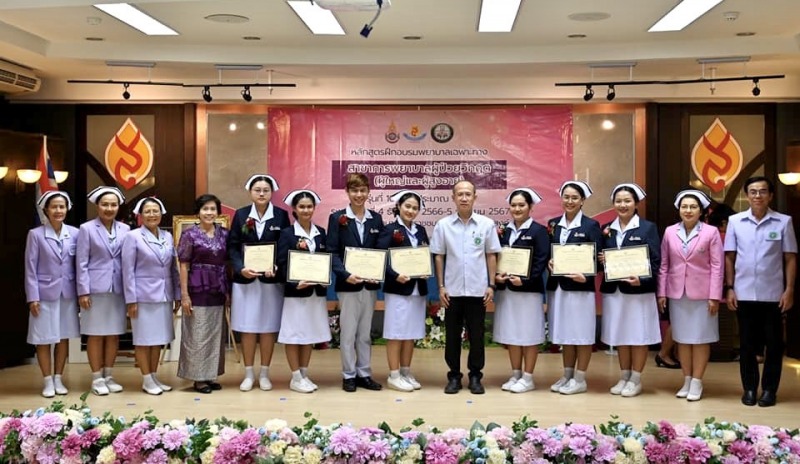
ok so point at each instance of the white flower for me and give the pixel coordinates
(716, 450)
(293, 455)
(406, 460)
(107, 455)
(207, 457)
(75, 416)
(214, 441)
(274, 425)
(214, 428)
(497, 456)
(639, 458)
(177, 423)
(312, 455)
(414, 452)
(728, 436)
(175, 461)
(440, 313)
(277, 447)
(491, 442)
(631, 445)
(105, 430)
(620, 458)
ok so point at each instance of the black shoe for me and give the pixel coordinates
(214, 385)
(202, 387)
(453, 386)
(661, 363)
(749, 398)
(475, 386)
(349, 385)
(767, 399)
(368, 383)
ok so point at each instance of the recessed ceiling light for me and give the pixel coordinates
(683, 14)
(136, 18)
(251, 37)
(232, 127)
(589, 16)
(95, 39)
(227, 18)
(412, 37)
(745, 34)
(576, 36)
(607, 124)
(498, 15)
(318, 20)
(260, 125)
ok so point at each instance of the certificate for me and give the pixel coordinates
(366, 263)
(627, 262)
(574, 258)
(514, 261)
(259, 257)
(411, 262)
(309, 267)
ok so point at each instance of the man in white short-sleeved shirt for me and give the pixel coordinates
(465, 247)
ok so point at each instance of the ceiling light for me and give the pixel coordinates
(318, 20)
(589, 93)
(61, 176)
(246, 94)
(607, 124)
(588, 17)
(125, 94)
(498, 15)
(260, 125)
(207, 94)
(683, 14)
(789, 178)
(4, 171)
(227, 18)
(29, 176)
(232, 127)
(135, 18)
(756, 89)
(612, 93)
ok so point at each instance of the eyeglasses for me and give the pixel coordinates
(261, 191)
(757, 193)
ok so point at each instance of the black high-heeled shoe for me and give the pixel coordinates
(661, 363)
(202, 387)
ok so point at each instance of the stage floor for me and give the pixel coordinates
(21, 386)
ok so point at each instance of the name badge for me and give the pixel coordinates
(773, 235)
(636, 239)
(274, 228)
(525, 237)
(579, 235)
(373, 231)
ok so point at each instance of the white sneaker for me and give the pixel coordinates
(246, 385)
(572, 387)
(683, 392)
(152, 389)
(509, 383)
(112, 385)
(617, 389)
(522, 386)
(410, 379)
(161, 385)
(631, 389)
(695, 390)
(556, 387)
(99, 387)
(400, 384)
(310, 382)
(301, 386)
(48, 391)
(59, 386)
(264, 383)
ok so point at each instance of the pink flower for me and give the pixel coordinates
(606, 450)
(47, 454)
(666, 432)
(580, 446)
(239, 449)
(438, 452)
(174, 439)
(581, 430)
(158, 456)
(89, 438)
(48, 424)
(71, 445)
(757, 432)
(537, 435)
(151, 439)
(379, 450)
(742, 450)
(553, 447)
(129, 444)
(344, 440)
(696, 450)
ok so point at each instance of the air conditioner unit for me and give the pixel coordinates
(352, 5)
(16, 79)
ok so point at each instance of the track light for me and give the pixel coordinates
(125, 94)
(612, 93)
(246, 94)
(207, 94)
(756, 89)
(589, 93)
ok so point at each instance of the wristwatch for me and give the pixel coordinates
(493, 286)
(726, 287)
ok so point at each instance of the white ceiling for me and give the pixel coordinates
(452, 62)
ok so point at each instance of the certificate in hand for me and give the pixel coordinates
(309, 267)
(259, 257)
(514, 261)
(574, 258)
(366, 263)
(627, 262)
(411, 262)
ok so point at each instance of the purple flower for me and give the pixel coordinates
(757, 432)
(581, 430)
(71, 445)
(438, 452)
(89, 438)
(503, 436)
(731, 460)
(47, 454)
(580, 446)
(552, 447)
(606, 450)
(344, 441)
(666, 432)
(174, 439)
(696, 450)
(379, 450)
(151, 439)
(742, 450)
(411, 435)
(158, 456)
(537, 435)
(128, 444)
(48, 424)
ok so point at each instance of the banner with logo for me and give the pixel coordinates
(426, 150)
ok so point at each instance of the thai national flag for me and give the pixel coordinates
(48, 180)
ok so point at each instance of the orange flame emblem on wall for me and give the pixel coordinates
(129, 157)
(717, 157)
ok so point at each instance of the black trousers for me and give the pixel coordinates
(470, 312)
(760, 325)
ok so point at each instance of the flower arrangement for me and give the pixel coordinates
(301, 244)
(249, 225)
(343, 221)
(607, 231)
(551, 228)
(501, 229)
(398, 236)
(73, 435)
(434, 327)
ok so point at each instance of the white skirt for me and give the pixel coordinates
(518, 318)
(57, 320)
(256, 307)
(106, 316)
(630, 319)
(153, 324)
(691, 322)
(572, 317)
(304, 321)
(404, 317)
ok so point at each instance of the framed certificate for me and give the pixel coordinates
(309, 267)
(366, 263)
(514, 261)
(574, 258)
(621, 263)
(411, 262)
(259, 257)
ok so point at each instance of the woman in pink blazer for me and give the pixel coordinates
(692, 262)
(151, 286)
(50, 289)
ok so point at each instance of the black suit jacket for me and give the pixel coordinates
(645, 234)
(237, 238)
(342, 235)
(537, 239)
(386, 240)
(588, 231)
(288, 241)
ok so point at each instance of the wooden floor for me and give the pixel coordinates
(20, 388)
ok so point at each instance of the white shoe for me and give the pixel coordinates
(49, 390)
(310, 382)
(695, 390)
(410, 379)
(112, 385)
(400, 384)
(683, 392)
(617, 389)
(161, 385)
(59, 386)
(509, 383)
(522, 386)
(264, 383)
(301, 386)
(152, 389)
(572, 387)
(556, 387)
(99, 387)
(631, 389)
(246, 385)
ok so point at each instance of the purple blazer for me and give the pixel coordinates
(99, 269)
(147, 277)
(49, 272)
